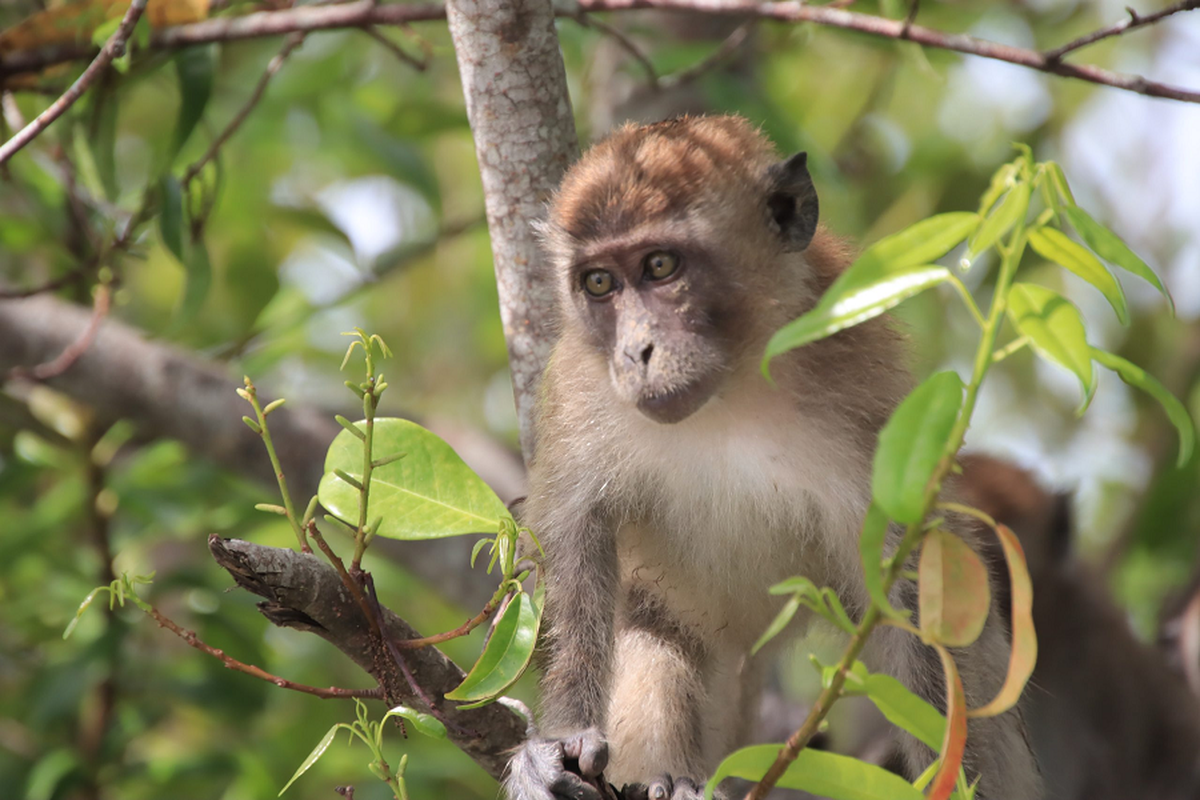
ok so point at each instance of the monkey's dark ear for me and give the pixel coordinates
(792, 201)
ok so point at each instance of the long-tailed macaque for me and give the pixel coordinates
(673, 483)
(1108, 719)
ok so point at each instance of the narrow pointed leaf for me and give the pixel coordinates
(170, 216)
(199, 280)
(825, 774)
(863, 292)
(428, 494)
(953, 593)
(424, 723)
(1176, 412)
(1055, 329)
(1053, 245)
(317, 752)
(1000, 221)
(924, 242)
(778, 624)
(1000, 183)
(1112, 249)
(507, 653)
(955, 741)
(912, 443)
(1059, 181)
(1023, 656)
(194, 67)
(870, 547)
(906, 710)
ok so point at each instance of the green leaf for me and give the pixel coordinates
(424, 723)
(1053, 245)
(1176, 412)
(866, 290)
(1112, 249)
(953, 590)
(104, 31)
(1001, 182)
(102, 137)
(1000, 221)
(507, 653)
(924, 242)
(199, 280)
(777, 625)
(194, 67)
(825, 774)
(428, 494)
(912, 443)
(870, 547)
(317, 752)
(1055, 330)
(170, 216)
(906, 710)
(1059, 181)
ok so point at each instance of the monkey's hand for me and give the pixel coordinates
(665, 788)
(560, 769)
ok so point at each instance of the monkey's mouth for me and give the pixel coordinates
(675, 404)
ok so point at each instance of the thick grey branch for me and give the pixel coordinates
(515, 87)
(173, 394)
(303, 592)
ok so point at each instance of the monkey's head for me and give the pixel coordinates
(676, 247)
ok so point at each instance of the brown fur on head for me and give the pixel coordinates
(710, 196)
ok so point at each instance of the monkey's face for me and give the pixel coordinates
(657, 312)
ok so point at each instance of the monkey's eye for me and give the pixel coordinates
(660, 264)
(598, 282)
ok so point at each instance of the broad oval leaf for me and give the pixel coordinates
(870, 548)
(1176, 412)
(825, 774)
(955, 741)
(953, 591)
(427, 494)
(1023, 656)
(506, 655)
(1055, 330)
(1000, 221)
(911, 444)
(317, 752)
(1112, 249)
(906, 710)
(424, 723)
(923, 242)
(863, 292)
(1053, 245)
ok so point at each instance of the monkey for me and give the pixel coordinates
(1108, 718)
(673, 483)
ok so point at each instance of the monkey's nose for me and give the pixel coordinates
(642, 356)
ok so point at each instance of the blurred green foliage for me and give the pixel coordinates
(326, 208)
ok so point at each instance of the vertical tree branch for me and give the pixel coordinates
(515, 86)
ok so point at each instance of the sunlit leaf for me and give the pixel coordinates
(1023, 656)
(1000, 183)
(953, 590)
(863, 292)
(778, 624)
(1059, 181)
(924, 242)
(316, 754)
(1176, 412)
(1112, 249)
(906, 710)
(955, 741)
(1053, 245)
(428, 494)
(825, 774)
(1055, 331)
(870, 548)
(1000, 221)
(424, 723)
(912, 443)
(507, 653)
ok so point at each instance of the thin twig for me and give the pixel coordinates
(114, 47)
(230, 662)
(76, 275)
(626, 44)
(76, 349)
(420, 65)
(273, 67)
(462, 630)
(1135, 20)
(728, 48)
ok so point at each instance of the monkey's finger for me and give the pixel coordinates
(590, 749)
(686, 789)
(569, 786)
(661, 788)
(635, 791)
